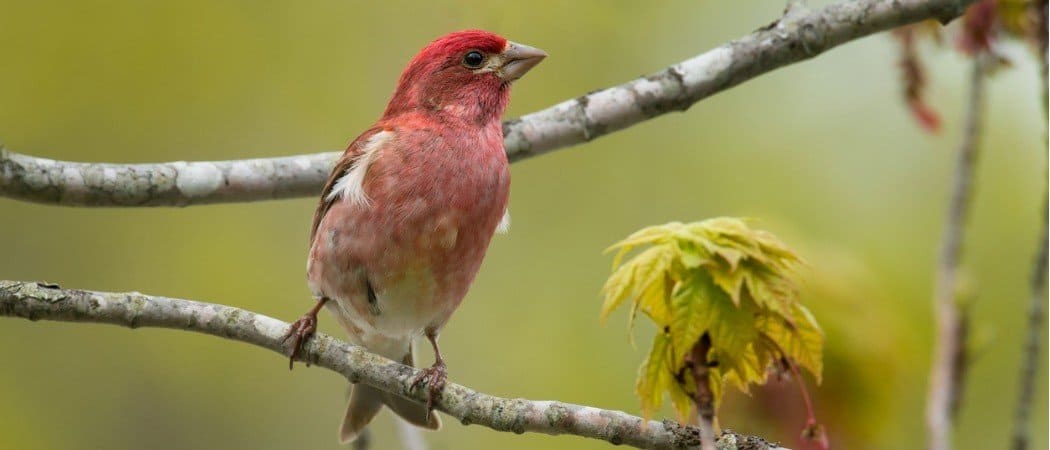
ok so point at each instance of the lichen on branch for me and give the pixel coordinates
(799, 35)
(40, 301)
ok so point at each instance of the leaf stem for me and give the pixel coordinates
(704, 398)
(812, 432)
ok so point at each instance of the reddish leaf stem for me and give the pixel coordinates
(704, 398)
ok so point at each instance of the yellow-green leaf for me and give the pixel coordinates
(732, 328)
(801, 339)
(655, 302)
(718, 387)
(690, 311)
(771, 291)
(652, 266)
(742, 369)
(731, 281)
(680, 398)
(690, 255)
(641, 279)
(617, 288)
(654, 376)
(718, 277)
(648, 235)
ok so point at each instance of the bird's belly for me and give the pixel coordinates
(418, 271)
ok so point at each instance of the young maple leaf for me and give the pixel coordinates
(721, 282)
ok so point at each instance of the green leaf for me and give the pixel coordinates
(690, 255)
(655, 302)
(648, 235)
(742, 369)
(698, 306)
(690, 309)
(771, 291)
(730, 280)
(681, 400)
(717, 384)
(642, 280)
(652, 267)
(800, 338)
(774, 247)
(718, 277)
(616, 290)
(732, 328)
(654, 376)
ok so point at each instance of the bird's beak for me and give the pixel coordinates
(518, 59)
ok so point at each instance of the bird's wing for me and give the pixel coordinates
(343, 165)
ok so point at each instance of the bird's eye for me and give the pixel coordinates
(473, 59)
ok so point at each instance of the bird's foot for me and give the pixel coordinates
(434, 377)
(299, 332)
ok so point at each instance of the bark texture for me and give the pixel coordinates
(797, 36)
(40, 301)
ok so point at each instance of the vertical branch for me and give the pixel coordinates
(948, 369)
(1036, 314)
(1030, 358)
(704, 398)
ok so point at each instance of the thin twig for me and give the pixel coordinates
(1030, 357)
(948, 369)
(798, 36)
(36, 301)
(1036, 313)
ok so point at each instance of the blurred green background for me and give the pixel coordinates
(823, 153)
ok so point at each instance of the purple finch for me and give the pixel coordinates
(409, 209)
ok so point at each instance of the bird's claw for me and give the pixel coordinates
(434, 377)
(299, 332)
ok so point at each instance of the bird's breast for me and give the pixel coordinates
(442, 189)
(434, 205)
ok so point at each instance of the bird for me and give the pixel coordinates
(407, 214)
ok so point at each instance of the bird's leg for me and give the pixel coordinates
(434, 376)
(302, 329)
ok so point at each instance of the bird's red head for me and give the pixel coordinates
(466, 74)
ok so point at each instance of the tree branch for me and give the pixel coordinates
(949, 358)
(1030, 356)
(1036, 312)
(36, 301)
(797, 36)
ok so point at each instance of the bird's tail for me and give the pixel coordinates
(366, 401)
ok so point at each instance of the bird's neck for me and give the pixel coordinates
(481, 104)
